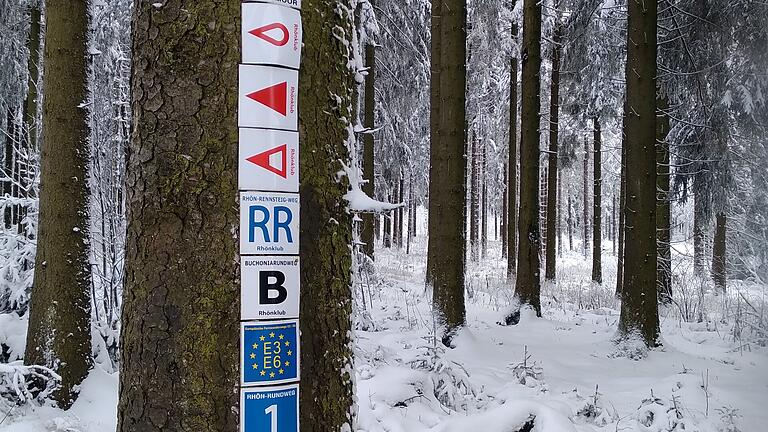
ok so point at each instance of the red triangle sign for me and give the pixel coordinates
(272, 97)
(261, 33)
(262, 160)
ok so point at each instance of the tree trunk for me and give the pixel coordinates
(699, 228)
(512, 177)
(474, 200)
(504, 212)
(59, 334)
(554, 111)
(570, 223)
(621, 212)
(30, 104)
(663, 217)
(639, 306)
(528, 284)
(613, 224)
(585, 215)
(396, 215)
(559, 215)
(401, 211)
(387, 240)
(597, 203)
(484, 199)
(368, 228)
(447, 172)
(719, 259)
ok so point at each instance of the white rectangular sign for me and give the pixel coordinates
(268, 160)
(269, 223)
(296, 4)
(269, 287)
(271, 35)
(268, 97)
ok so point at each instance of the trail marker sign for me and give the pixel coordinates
(269, 223)
(268, 97)
(269, 287)
(271, 35)
(270, 352)
(296, 4)
(269, 160)
(274, 409)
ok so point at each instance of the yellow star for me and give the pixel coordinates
(255, 346)
(253, 356)
(272, 334)
(263, 373)
(281, 371)
(287, 343)
(282, 337)
(290, 352)
(255, 366)
(262, 338)
(271, 374)
(287, 364)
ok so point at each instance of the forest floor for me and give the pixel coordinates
(562, 371)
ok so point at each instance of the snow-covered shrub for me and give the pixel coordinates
(452, 386)
(728, 419)
(22, 385)
(659, 415)
(594, 409)
(527, 372)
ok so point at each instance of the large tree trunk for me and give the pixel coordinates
(719, 259)
(474, 199)
(663, 217)
(447, 171)
(554, 111)
(327, 388)
(528, 284)
(512, 222)
(585, 209)
(368, 228)
(639, 306)
(180, 323)
(59, 334)
(597, 213)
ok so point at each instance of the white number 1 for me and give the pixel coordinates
(272, 411)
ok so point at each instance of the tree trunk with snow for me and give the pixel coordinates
(447, 172)
(585, 212)
(512, 166)
(367, 230)
(474, 199)
(552, 173)
(597, 203)
(719, 258)
(663, 217)
(59, 334)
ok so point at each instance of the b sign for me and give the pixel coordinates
(269, 160)
(269, 287)
(268, 97)
(270, 410)
(269, 223)
(271, 35)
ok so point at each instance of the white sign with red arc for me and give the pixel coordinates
(268, 97)
(269, 160)
(271, 35)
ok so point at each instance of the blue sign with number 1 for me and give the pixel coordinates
(275, 409)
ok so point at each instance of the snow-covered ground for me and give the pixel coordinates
(561, 371)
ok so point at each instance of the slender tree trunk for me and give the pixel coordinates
(570, 223)
(396, 215)
(528, 284)
(387, 240)
(719, 258)
(369, 187)
(639, 306)
(552, 174)
(484, 199)
(621, 212)
(474, 200)
(585, 220)
(559, 215)
(401, 211)
(7, 184)
(59, 334)
(504, 212)
(663, 217)
(512, 221)
(597, 209)
(30, 103)
(447, 172)
(699, 227)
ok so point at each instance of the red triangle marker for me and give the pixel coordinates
(273, 97)
(261, 33)
(262, 160)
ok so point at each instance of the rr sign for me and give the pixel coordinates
(269, 223)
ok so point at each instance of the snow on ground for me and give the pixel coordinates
(560, 371)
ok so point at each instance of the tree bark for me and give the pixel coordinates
(504, 212)
(484, 199)
(639, 306)
(528, 283)
(447, 172)
(552, 174)
(512, 177)
(369, 187)
(585, 215)
(59, 334)
(663, 216)
(597, 203)
(620, 233)
(719, 258)
(474, 199)
(699, 229)
(401, 211)
(570, 223)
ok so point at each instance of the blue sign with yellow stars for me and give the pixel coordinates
(274, 409)
(270, 352)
